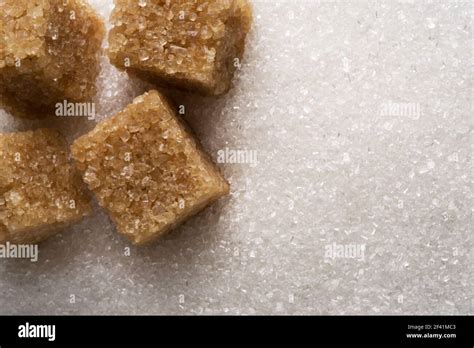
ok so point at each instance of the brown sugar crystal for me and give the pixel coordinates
(147, 170)
(40, 191)
(190, 44)
(49, 52)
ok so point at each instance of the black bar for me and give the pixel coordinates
(343, 330)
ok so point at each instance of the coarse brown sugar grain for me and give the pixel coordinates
(40, 190)
(49, 52)
(190, 44)
(147, 170)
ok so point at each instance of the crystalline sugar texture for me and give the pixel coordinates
(147, 170)
(49, 52)
(40, 191)
(193, 45)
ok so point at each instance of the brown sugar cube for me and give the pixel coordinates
(147, 170)
(40, 190)
(194, 45)
(49, 52)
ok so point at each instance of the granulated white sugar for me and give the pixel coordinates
(347, 140)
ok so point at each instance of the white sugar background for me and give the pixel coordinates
(333, 168)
